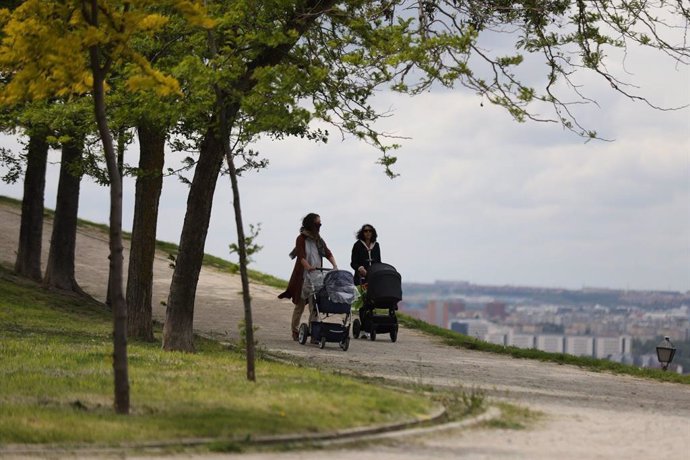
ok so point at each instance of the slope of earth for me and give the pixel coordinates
(586, 414)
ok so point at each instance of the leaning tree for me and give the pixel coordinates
(326, 58)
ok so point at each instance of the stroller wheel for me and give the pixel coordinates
(303, 333)
(356, 328)
(394, 334)
(372, 334)
(345, 344)
(322, 344)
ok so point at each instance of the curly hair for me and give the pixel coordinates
(308, 222)
(360, 232)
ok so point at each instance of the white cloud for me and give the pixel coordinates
(479, 197)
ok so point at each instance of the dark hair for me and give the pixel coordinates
(308, 222)
(360, 233)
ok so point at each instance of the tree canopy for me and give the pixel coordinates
(325, 59)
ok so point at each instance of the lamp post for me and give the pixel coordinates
(664, 352)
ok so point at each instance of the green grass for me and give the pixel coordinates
(56, 383)
(460, 403)
(11, 201)
(226, 266)
(171, 249)
(598, 365)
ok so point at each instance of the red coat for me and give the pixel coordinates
(294, 289)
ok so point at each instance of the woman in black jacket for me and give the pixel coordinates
(365, 251)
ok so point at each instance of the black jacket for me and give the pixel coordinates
(360, 257)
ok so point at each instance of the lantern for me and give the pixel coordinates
(664, 352)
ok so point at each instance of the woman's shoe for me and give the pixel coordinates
(295, 336)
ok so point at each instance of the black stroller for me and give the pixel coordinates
(383, 291)
(331, 294)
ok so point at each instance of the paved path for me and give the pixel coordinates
(587, 414)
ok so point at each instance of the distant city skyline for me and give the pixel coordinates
(565, 324)
(541, 287)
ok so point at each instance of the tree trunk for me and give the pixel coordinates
(224, 128)
(120, 366)
(28, 261)
(143, 249)
(241, 244)
(60, 267)
(121, 167)
(179, 317)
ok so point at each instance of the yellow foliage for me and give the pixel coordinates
(163, 85)
(195, 13)
(92, 36)
(4, 16)
(44, 46)
(152, 22)
(146, 78)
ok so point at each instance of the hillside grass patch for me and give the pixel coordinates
(56, 383)
(598, 365)
(170, 249)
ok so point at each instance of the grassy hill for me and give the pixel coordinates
(56, 383)
(170, 248)
(450, 337)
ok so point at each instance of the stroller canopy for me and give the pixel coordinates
(384, 285)
(339, 286)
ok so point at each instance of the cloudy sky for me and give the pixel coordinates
(479, 198)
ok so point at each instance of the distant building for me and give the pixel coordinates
(476, 328)
(521, 340)
(495, 310)
(647, 360)
(455, 306)
(440, 313)
(436, 314)
(615, 348)
(605, 347)
(550, 343)
(417, 313)
(579, 345)
(499, 338)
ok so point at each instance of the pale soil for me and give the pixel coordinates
(586, 414)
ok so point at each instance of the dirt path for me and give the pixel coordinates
(587, 414)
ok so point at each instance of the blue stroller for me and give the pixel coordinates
(331, 294)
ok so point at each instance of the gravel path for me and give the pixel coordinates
(587, 414)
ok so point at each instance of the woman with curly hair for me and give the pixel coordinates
(365, 251)
(309, 251)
